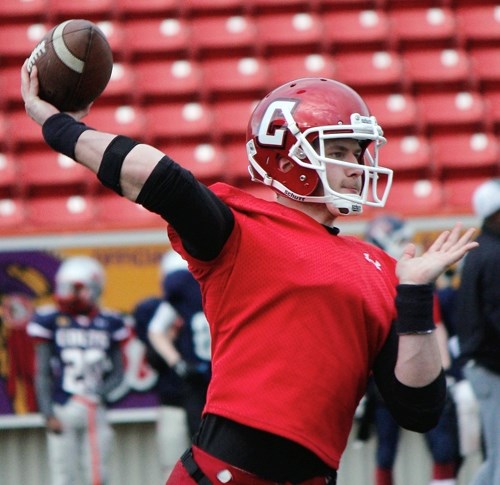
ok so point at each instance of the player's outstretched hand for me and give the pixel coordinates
(448, 248)
(38, 109)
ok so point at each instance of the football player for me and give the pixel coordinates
(299, 315)
(78, 363)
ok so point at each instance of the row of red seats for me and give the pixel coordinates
(412, 157)
(12, 10)
(202, 122)
(107, 211)
(273, 32)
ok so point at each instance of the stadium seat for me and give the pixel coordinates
(409, 156)
(397, 113)
(282, 32)
(21, 130)
(45, 167)
(423, 26)
(179, 121)
(156, 37)
(464, 111)
(236, 162)
(12, 214)
(10, 82)
(146, 8)
(88, 9)
(21, 10)
(492, 99)
(485, 66)
(124, 120)
(283, 68)
(479, 25)
(115, 34)
(415, 197)
(381, 71)
(161, 80)
(17, 40)
(60, 212)
(357, 29)
(205, 160)
(122, 86)
(115, 212)
(225, 35)
(438, 69)
(234, 78)
(462, 153)
(202, 7)
(231, 119)
(9, 174)
(458, 191)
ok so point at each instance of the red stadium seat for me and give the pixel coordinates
(9, 174)
(14, 10)
(10, 82)
(479, 25)
(115, 212)
(461, 111)
(397, 113)
(438, 69)
(205, 160)
(231, 119)
(486, 67)
(125, 120)
(88, 9)
(236, 162)
(415, 197)
(455, 153)
(357, 29)
(235, 77)
(17, 40)
(12, 214)
(283, 68)
(492, 99)
(180, 122)
(168, 79)
(115, 34)
(282, 32)
(60, 212)
(146, 8)
(381, 71)
(122, 86)
(458, 191)
(156, 37)
(202, 7)
(423, 26)
(409, 156)
(223, 35)
(21, 130)
(47, 168)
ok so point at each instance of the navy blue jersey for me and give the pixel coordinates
(182, 291)
(81, 347)
(168, 385)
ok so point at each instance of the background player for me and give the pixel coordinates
(178, 338)
(78, 363)
(299, 315)
(392, 234)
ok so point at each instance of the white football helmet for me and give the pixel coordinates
(79, 284)
(294, 121)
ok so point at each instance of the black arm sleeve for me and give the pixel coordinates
(202, 220)
(416, 409)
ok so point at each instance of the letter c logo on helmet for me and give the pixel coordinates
(275, 139)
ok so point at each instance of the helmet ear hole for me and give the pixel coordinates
(285, 165)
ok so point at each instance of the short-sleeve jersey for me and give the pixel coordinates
(297, 317)
(80, 348)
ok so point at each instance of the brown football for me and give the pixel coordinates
(74, 63)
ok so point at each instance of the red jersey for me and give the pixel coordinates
(297, 318)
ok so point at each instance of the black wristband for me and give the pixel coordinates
(61, 132)
(414, 305)
(112, 161)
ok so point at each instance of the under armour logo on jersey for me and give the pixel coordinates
(375, 263)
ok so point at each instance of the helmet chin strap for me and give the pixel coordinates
(342, 207)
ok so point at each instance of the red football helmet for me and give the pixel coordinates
(79, 284)
(293, 122)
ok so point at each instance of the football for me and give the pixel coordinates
(74, 62)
